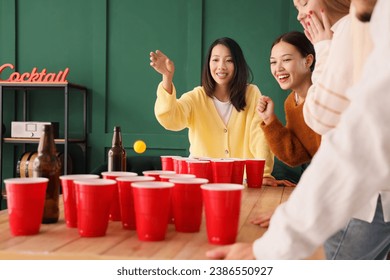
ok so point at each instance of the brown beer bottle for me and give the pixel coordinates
(117, 154)
(48, 165)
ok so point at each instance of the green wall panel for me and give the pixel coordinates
(55, 37)
(7, 52)
(132, 82)
(134, 30)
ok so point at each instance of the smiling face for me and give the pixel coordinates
(290, 69)
(221, 65)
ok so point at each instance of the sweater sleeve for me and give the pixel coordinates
(326, 98)
(258, 143)
(263, 151)
(322, 52)
(284, 144)
(171, 113)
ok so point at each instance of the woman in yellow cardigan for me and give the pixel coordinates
(221, 114)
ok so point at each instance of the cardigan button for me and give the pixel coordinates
(225, 130)
(226, 151)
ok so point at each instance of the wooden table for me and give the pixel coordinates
(56, 241)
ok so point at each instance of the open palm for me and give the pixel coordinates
(162, 64)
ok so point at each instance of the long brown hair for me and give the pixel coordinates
(339, 8)
(241, 77)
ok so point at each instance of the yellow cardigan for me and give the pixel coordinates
(207, 133)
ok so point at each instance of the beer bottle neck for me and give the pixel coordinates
(117, 138)
(46, 143)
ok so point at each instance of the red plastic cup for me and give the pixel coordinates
(182, 165)
(222, 170)
(199, 168)
(157, 173)
(210, 173)
(222, 211)
(115, 212)
(254, 172)
(126, 200)
(175, 161)
(167, 163)
(187, 204)
(25, 200)
(94, 200)
(238, 171)
(166, 178)
(69, 196)
(151, 205)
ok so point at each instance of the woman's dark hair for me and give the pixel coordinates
(300, 42)
(242, 73)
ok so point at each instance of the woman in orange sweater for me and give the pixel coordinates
(292, 62)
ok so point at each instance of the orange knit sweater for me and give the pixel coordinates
(295, 143)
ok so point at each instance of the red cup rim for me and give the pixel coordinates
(197, 161)
(184, 158)
(222, 160)
(29, 180)
(158, 172)
(79, 176)
(152, 185)
(255, 159)
(118, 173)
(171, 176)
(191, 159)
(204, 158)
(189, 181)
(135, 179)
(222, 187)
(238, 159)
(95, 182)
(167, 156)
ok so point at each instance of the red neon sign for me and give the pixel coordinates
(34, 76)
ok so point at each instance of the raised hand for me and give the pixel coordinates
(163, 65)
(265, 108)
(317, 28)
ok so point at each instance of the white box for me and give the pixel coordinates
(30, 129)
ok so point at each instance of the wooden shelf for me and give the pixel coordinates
(26, 90)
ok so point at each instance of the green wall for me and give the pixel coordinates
(106, 45)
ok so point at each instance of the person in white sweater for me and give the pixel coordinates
(363, 236)
(350, 168)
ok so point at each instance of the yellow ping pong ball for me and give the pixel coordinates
(139, 146)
